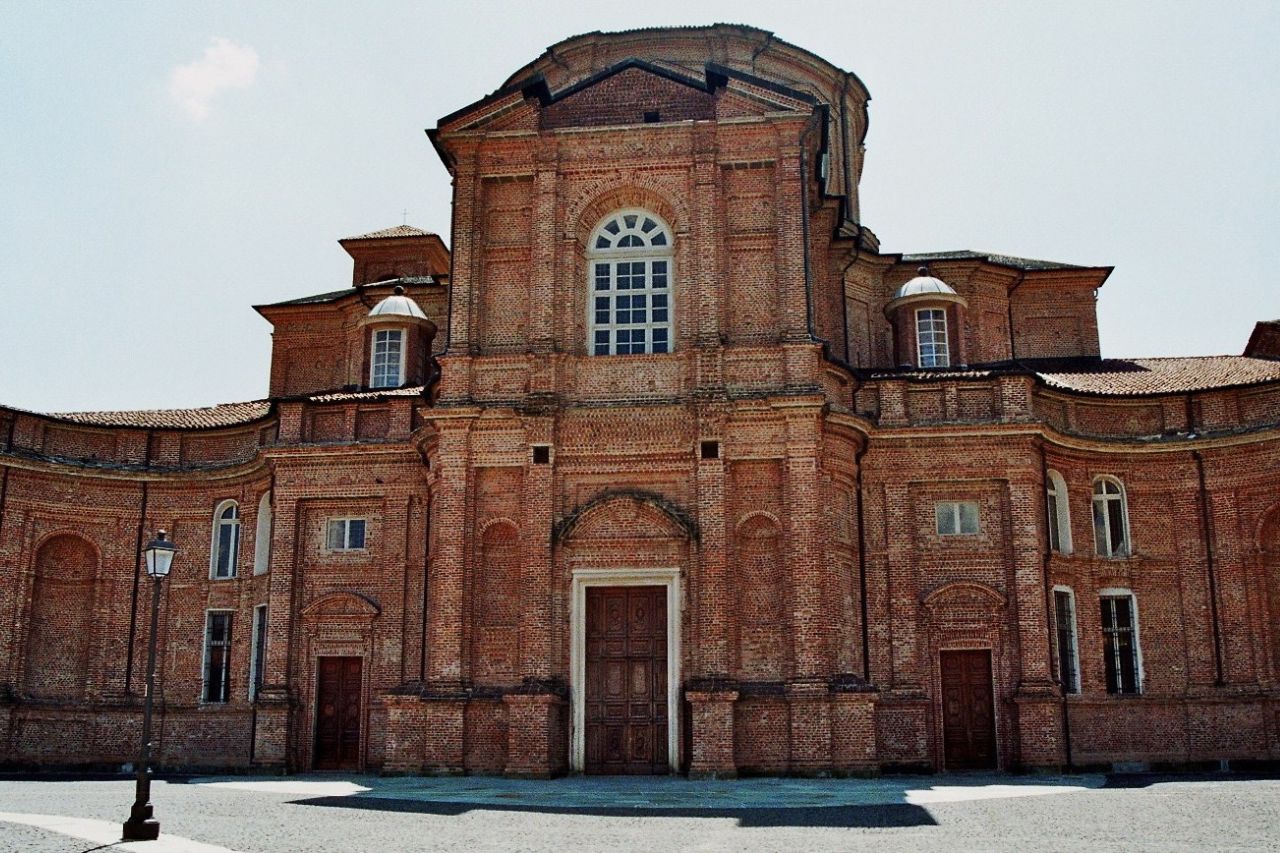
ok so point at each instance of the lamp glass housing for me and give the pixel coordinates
(159, 555)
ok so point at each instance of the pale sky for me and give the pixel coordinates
(165, 166)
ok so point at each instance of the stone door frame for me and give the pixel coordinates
(584, 578)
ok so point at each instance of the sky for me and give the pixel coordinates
(163, 167)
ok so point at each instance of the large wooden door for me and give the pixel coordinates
(968, 711)
(626, 689)
(337, 714)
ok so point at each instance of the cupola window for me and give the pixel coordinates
(630, 285)
(387, 365)
(931, 337)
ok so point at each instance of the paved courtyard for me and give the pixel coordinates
(357, 813)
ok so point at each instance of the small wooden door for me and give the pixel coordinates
(626, 680)
(337, 714)
(968, 710)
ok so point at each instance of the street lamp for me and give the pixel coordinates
(141, 826)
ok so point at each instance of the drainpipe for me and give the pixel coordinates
(1206, 526)
(862, 564)
(1048, 608)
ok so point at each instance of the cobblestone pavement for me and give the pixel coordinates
(358, 813)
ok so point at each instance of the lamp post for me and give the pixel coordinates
(141, 826)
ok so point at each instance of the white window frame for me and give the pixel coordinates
(346, 546)
(258, 635)
(939, 352)
(613, 256)
(373, 355)
(1102, 546)
(1139, 673)
(262, 536)
(1058, 512)
(215, 541)
(1075, 638)
(952, 509)
(208, 648)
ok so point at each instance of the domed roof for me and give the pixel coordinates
(924, 285)
(397, 305)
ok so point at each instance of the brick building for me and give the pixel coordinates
(665, 466)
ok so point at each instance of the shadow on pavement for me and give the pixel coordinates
(894, 815)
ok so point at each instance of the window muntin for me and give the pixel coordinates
(1064, 611)
(1110, 518)
(931, 337)
(1121, 654)
(262, 536)
(225, 550)
(956, 518)
(217, 657)
(345, 534)
(630, 298)
(1058, 513)
(258, 659)
(386, 361)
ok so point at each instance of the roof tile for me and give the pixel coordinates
(209, 417)
(1146, 376)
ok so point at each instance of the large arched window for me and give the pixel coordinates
(1110, 518)
(262, 536)
(225, 549)
(629, 302)
(1058, 512)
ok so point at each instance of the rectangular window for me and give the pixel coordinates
(1064, 610)
(217, 656)
(346, 534)
(1120, 643)
(631, 308)
(931, 337)
(259, 659)
(956, 518)
(387, 361)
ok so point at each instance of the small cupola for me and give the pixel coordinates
(928, 322)
(398, 339)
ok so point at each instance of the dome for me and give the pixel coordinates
(397, 305)
(924, 285)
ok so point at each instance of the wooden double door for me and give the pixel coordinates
(338, 713)
(968, 710)
(626, 680)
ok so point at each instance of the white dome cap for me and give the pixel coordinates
(924, 285)
(397, 305)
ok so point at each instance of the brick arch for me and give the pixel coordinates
(586, 211)
(964, 593)
(496, 598)
(760, 590)
(60, 624)
(626, 512)
(1268, 532)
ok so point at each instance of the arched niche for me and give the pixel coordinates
(60, 624)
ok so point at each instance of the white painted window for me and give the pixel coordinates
(630, 297)
(956, 518)
(386, 362)
(262, 536)
(258, 658)
(345, 534)
(931, 337)
(1058, 513)
(1110, 518)
(217, 656)
(225, 550)
(1121, 652)
(1064, 618)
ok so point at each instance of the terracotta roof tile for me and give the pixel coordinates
(1000, 260)
(340, 396)
(209, 417)
(385, 233)
(1144, 376)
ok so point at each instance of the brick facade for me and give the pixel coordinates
(784, 472)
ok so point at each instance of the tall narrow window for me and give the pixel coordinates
(262, 536)
(630, 299)
(217, 657)
(931, 337)
(1120, 642)
(386, 366)
(1110, 518)
(225, 552)
(1058, 513)
(258, 662)
(1064, 611)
